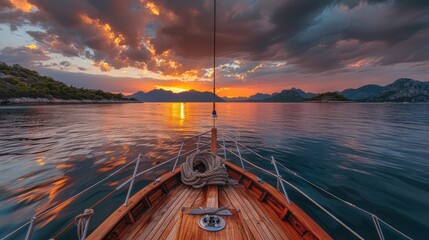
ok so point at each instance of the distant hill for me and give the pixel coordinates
(260, 96)
(403, 90)
(285, 96)
(161, 95)
(235, 99)
(17, 83)
(362, 93)
(329, 97)
(304, 94)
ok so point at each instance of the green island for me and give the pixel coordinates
(328, 97)
(22, 85)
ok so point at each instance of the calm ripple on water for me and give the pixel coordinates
(373, 155)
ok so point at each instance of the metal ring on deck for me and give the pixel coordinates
(212, 223)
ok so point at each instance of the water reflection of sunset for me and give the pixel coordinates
(41, 160)
(49, 191)
(112, 164)
(178, 113)
(52, 215)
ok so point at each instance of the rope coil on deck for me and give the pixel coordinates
(215, 173)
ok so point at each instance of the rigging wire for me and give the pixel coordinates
(214, 114)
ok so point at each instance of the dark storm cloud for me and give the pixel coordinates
(316, 36)
(190, 30)
(310, 32)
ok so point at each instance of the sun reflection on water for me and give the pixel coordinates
(178, 113)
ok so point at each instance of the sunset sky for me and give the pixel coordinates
(263, 45)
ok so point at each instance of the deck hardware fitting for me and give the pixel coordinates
(212, 223)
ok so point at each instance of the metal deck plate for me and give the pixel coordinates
(212, 223)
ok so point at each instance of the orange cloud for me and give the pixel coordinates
(105, 67)
(32, 46)
(85, 19)
(361, 63)
(23, 5)
(149, 46)
(117, 39)
(153, 8)
(190, 74)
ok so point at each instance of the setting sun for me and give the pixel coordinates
(173, 89)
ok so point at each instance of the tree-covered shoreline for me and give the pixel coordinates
(17, 82)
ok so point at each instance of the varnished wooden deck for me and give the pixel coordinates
(160, 211)
(169, 218)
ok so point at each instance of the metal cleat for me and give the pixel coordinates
(223, 211)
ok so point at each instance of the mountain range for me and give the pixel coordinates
(402, 90)
(161, 95)
(362, 93)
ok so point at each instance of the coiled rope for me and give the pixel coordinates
(215, 173)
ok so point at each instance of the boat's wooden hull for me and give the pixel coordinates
(159, 211)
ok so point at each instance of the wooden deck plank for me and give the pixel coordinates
(150, 213)
(248, 219)
(288, 229)
(173, 234)
(150, 217)
(212, 196)
(163, 213)
(200, 201)
(268, 218)
(254, 214)
(122, 211)
(225, 201)
(175, 223)
(174, 216)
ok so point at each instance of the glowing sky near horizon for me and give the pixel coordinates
(263, 45)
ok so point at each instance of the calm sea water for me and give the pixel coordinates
(373, 155)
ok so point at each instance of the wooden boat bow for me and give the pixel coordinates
(161, 211)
